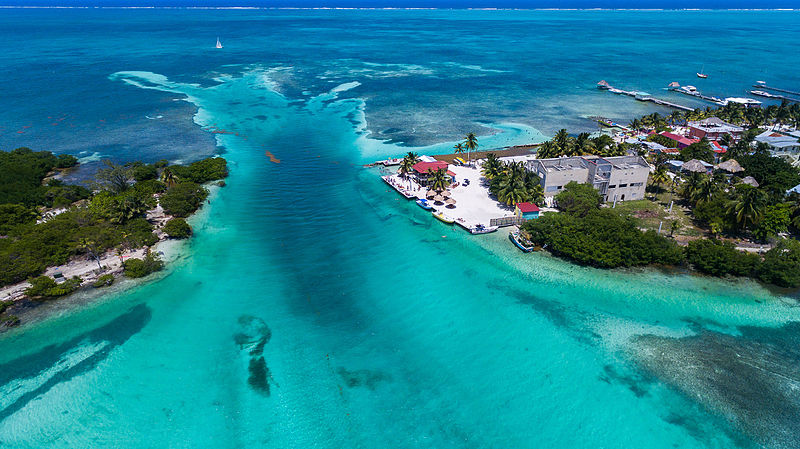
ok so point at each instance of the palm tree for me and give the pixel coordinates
(168, 177)
(547, 149)
(563, 142)
(660, 176)
(511, 188)
(604, 145)
(748, 207)
(459, 148)
(692, 185)
(407, 164)
(675, 117)
(471, 143)
(796, 215)
(491, 167)
(635, 124)
(128, 208)
(437, 179)
(706, 191)
(583, 144)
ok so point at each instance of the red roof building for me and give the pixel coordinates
(527, 207)
(527, 211)
(683, 142)
(424, 167)
(423, 170)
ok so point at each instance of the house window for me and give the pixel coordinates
(637, 184)
(623, 186)
(552, 188)
(612, 187)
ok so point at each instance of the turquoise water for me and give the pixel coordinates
(320, 309)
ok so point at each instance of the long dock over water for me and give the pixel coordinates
(764, 86)
(693, 92)
(641, 96)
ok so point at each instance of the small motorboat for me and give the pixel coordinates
(442, 217)
(423, 203)
(481, 229)
(516, 239)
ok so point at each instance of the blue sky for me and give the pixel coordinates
(429, 3)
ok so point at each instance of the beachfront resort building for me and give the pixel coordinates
(713, 128)
(424, 169)
(616, 178)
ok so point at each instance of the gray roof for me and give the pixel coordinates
(715, 125)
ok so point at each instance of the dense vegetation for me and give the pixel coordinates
(562, 144)
(598, 237)
(45, 287)
(178, 228)
(137, 268)
(785, 113)
(22, 172)
(511, 182)
(726, 206)
(780, 266)
(111, 216)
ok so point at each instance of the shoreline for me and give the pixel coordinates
(169, 249)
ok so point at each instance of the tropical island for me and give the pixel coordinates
(56, 237)
(732, 193)
(716, 191)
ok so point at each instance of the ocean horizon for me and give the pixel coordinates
(369, 323)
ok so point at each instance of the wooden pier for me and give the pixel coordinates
(693, 92)
(761, 93)
(400, 189)
(641, 96)
(764, 86)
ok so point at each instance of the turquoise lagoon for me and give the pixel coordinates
(317, 308)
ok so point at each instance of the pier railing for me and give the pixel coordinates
(506, 221)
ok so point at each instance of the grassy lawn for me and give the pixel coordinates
(650, 213)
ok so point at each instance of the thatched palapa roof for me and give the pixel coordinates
(750, 181)
(731, 166)
(694, 166)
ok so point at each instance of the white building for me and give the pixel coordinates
(780, 144)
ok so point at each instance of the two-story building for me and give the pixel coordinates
(713, 128)
(616, 178)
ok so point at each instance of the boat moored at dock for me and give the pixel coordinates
(442, 217)
(423, 203)
(481, 229)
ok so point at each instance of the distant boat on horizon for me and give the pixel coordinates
(700, 74)
(219, 44)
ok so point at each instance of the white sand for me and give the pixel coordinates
(86, 267)
(474, 205)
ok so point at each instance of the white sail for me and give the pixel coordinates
(219, 44)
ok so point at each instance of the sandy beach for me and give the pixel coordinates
(86, 267)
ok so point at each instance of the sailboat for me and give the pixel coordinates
(700, 74)
(219, 44)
